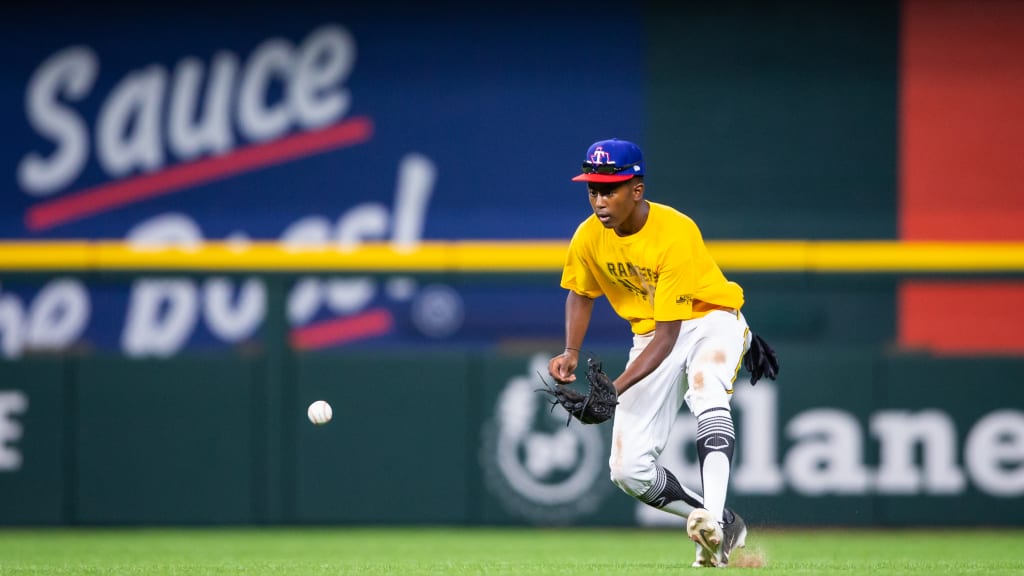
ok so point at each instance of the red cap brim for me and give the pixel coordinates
(602, 178)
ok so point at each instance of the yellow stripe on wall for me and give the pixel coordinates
(503, 256)
(868, 256)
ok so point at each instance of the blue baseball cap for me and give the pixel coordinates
(611, 161)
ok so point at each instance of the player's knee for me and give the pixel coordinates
(634, 476)
(708, 387)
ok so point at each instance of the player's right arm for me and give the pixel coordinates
(578, 309)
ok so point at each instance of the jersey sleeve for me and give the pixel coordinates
(576, 274)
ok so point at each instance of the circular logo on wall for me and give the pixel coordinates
(539, 468)
(438, 311)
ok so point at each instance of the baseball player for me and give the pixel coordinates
(689, 341)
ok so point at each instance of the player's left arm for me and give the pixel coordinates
(578, 309)
(665, 335)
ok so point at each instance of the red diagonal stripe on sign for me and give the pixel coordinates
(92, 201)
(343, 330)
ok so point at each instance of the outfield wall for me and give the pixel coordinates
(850, 435)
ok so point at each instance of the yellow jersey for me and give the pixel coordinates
(654, 275)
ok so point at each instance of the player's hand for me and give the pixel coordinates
(563, 366)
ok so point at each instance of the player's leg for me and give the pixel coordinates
(643, 421)
(711, 370)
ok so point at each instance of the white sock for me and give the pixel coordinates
(715, 445)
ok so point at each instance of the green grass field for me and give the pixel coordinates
(492, 551)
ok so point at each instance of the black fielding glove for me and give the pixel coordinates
(594, 407)
(760, 360)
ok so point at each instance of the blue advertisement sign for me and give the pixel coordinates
(321, 124)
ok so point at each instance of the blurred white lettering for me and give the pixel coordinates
(258, 120)
(994, 453)
(324, 62)
(363, 222)
(917, 452)
(416, 176)
(12, 402)
(170, 229)
(210, 131)
(12, 325)
(161, 317)
(149, 107)
(68, 74)
(829, 453)
(899, 433)
(128, 132)
(53, 320)
(233, 323)
(58, 315)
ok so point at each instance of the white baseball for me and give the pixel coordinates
(319, 412)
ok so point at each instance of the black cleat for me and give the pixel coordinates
(734, 535)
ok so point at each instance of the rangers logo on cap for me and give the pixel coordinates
(601, 157)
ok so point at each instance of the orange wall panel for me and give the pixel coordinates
(962, 120)
(962, 165)
(982, 317)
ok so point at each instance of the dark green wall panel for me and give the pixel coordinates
(816, 308)
(36, 469)
(775, 119)
(165, 441)
(398, 447)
